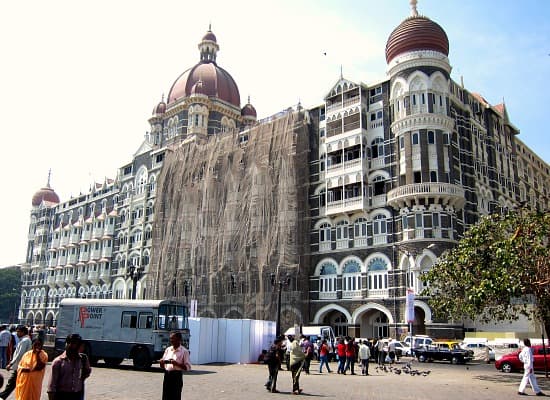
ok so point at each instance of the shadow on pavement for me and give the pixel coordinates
(154, 369)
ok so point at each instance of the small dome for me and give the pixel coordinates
(416, 33)
(45, 194)
(160, 108)
(209, 36)
(198, 88)
(249, 111)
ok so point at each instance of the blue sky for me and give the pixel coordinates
(79, 80)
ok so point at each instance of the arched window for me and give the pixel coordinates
(377, 147)
(324, 233)
(415, 138)
(327, 281)
(379, 225)
(378, 278)
(351, 279)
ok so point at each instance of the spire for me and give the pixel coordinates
(414, 12)
(49, 176)
(208, 46)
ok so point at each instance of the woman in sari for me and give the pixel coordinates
(31, 373)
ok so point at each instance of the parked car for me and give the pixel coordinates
(439, 353)
(510, 362)
(479, 349)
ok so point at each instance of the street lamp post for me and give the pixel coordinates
(135, 273)
(279, 282)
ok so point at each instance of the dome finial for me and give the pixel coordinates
(162, 98)
(49, 176)
(248, 99)
(414, 12)
(210, 27)
(341, 72)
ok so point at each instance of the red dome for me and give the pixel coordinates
(249, 111)
(416, 33)
(45, 194)
(160, 108)
(216, 82)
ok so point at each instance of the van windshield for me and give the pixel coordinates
(172, 317)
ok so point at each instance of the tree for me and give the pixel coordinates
(497, 272)
(10, 293)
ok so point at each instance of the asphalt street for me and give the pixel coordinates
(245, 382)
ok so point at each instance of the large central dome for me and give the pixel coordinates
(216, 82)
(416, 33)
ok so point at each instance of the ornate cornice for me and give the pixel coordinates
(418, 59)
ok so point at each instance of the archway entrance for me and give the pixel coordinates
(419, 326)
(338, 321)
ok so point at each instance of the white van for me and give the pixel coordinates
(418, 341)
(316, 335)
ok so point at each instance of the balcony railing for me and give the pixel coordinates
(352, 294)
(377, 293)
(410, 194)
(327, 295)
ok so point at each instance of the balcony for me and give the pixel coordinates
(82, 277)
(377, 293)
(352, 294)
(328, 295)
(342, 243)
(93, 276)
(378, 201)
(51, 281)
(444, 193)
(346, 205)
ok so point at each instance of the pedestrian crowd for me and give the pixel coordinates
(297, 355)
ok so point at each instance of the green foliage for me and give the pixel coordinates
(10, 293)
(496, 271)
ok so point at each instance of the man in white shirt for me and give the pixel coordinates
(5, 338)
(526, 357)
(23, 346)
(174, 361)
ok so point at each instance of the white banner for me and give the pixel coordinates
(409, 306)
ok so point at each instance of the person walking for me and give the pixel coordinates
(391, 350)
(350, 355)
(23, 346)
(297, 358)
(323, 356)
(364, 356)
(174, 361)
(273, 361)
(341, 352)
(526, 357)
(381, 352)
(30, 373)
(5, 338)
(69, 371)
(307, 348)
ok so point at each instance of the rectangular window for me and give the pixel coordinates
(419, 221)
(159, 157)
(431, 137)
(401, 142)
(145, 321)
(405, 222)
(417, 177)
(446, 138)
(414, 99)
(435, 219)
(129, 319)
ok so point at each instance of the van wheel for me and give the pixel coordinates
(141, 359)
(422, 358)
(112, 361)
(455, 360)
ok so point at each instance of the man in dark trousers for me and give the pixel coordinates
(273, 361)
(69, 371)
(174, 361)
(23, 346)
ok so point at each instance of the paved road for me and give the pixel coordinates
(245, 382)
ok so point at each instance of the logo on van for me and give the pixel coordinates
(86, 313)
